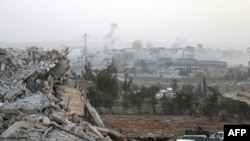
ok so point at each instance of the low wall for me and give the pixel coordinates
(121, 110)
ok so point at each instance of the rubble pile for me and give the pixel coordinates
(38, 101)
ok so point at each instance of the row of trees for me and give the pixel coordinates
(237, 74)
(140, 96)
(188, 100)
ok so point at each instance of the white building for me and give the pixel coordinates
(165, 92)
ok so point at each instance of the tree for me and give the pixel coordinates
(88, 74)
(198, 91)
(232, 107)
(188, 98)
(151, 91)
(174, 85)
(95, 98)
(187, 88)
(204, 86)
(107, 85)
(136, 98)
(184, 102)
(167, 105)
(105, 93)
(178, 102)
(211, 105)
(243, 110)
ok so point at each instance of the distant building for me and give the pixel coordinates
(145, 66)
(188, 52)
(167, 93)
(194, 64)
(200, 53)
(211, 65)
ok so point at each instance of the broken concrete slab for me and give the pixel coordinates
(11, 96)
(31, 104)
(13, 128)
(92, 115)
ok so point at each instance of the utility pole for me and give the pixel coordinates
(85, 44)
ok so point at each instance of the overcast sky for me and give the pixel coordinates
(158, 20)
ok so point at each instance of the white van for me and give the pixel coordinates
(195, 137)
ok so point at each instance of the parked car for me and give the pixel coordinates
(219, 134)
(196, 137)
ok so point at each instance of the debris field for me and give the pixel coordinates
(38, 100)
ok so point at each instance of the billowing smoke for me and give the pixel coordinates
(110, 36)
(178, 42)
(179, 54)
(74, 54)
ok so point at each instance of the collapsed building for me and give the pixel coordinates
(39, 101)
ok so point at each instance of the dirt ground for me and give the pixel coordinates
(162, 125)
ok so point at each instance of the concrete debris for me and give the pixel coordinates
(38, 101)
(94, 116)
(31, 104)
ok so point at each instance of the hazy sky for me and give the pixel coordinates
(157, 20)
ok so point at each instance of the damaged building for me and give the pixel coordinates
(38, 100)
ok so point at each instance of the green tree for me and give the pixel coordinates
(243, 110)
(136, 98)
(211, 105)
(229, 107)
(232, 107)
(184, 102)
(151, 91)
(174, 85)
(187, 88)
(107, 85)
(167, 105)
(178, 102)
(105, 93)
(204, 86)
(88, 74)
(95, 98)
(198, 90)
